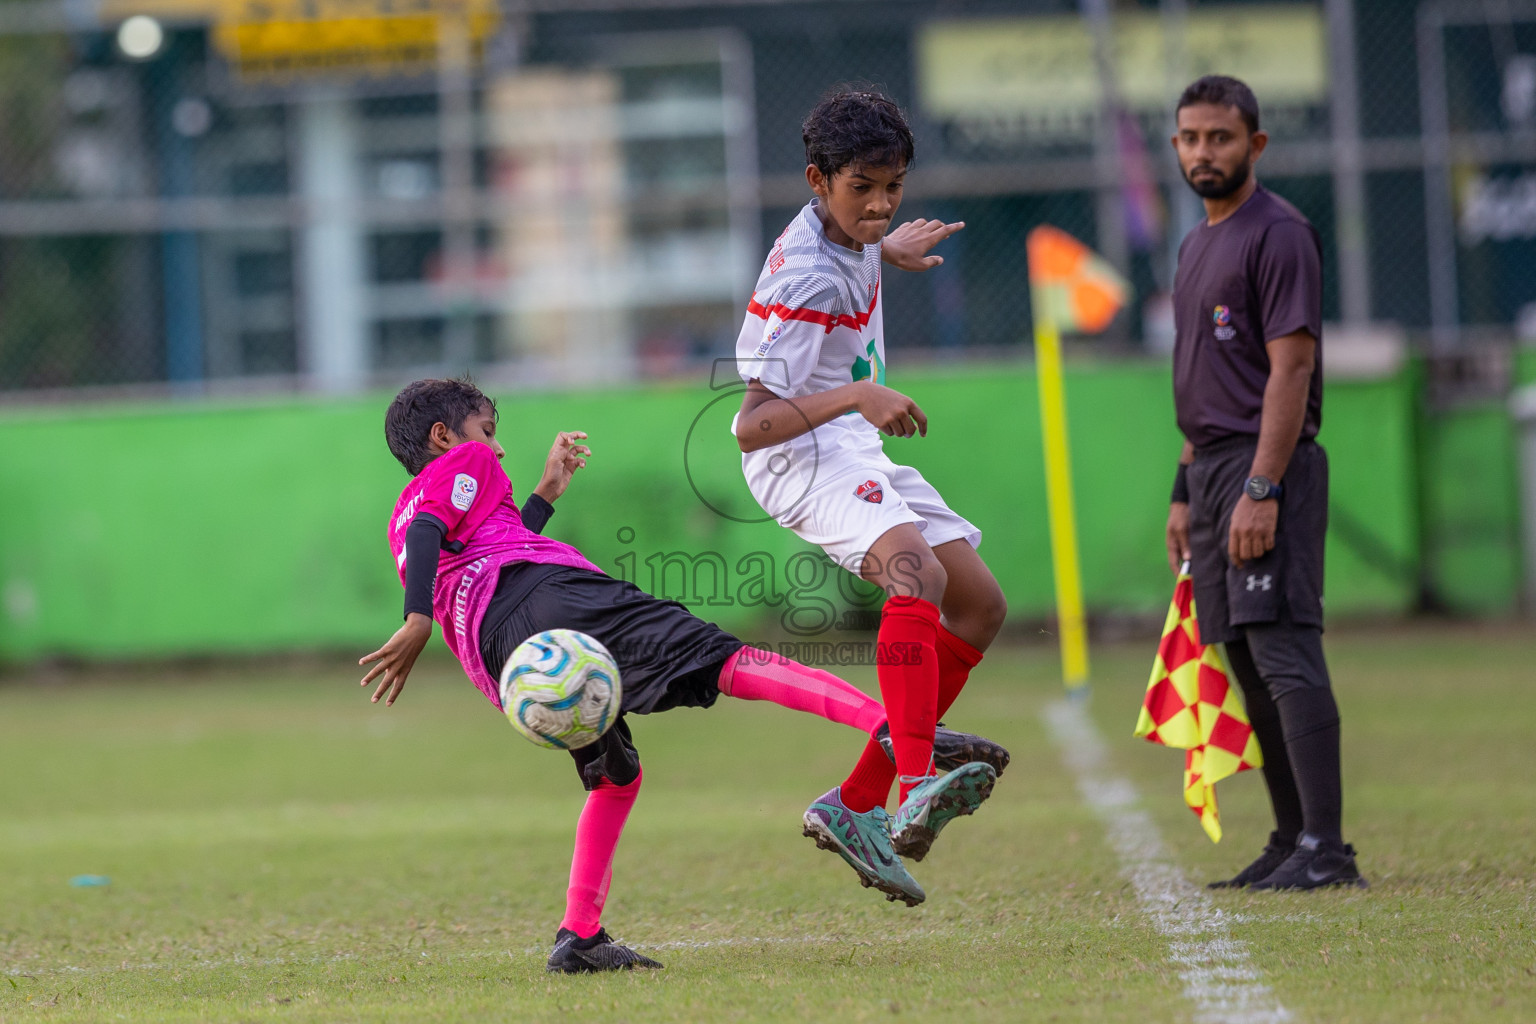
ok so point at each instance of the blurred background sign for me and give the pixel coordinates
(277, 38)
(1036, 78)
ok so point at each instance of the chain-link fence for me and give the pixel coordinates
(330, 195)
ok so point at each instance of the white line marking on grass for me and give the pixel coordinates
(797, 940)
(793, 940)
(214, 963)
(1218, 976)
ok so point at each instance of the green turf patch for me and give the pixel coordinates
(281, 850)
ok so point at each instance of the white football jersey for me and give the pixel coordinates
(813, 324)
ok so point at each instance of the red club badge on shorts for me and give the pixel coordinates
(870, 491)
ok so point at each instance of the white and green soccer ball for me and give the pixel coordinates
(560, 688)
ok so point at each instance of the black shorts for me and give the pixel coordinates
(612, 758)
(667, 656)
(1288, 581)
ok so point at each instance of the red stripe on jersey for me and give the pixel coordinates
(855, 322)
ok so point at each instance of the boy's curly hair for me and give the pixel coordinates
(856, 127)
(408, 422)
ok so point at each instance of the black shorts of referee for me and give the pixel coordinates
(1285, 585)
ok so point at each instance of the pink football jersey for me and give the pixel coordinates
(468, 490)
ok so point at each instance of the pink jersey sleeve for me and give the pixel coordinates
(465, 485)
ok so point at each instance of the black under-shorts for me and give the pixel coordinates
(1288, 580)
(667, 656)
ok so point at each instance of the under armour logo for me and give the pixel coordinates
(1257, 583)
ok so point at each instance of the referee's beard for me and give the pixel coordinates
(1218, 185)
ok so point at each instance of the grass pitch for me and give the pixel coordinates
(280, 850)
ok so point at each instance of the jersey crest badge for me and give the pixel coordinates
(870, 491)
(464, 487)
(1221, 316)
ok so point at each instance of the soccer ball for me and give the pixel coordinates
(561, 689)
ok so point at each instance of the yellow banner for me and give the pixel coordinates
(1044, 66)
(265, 38)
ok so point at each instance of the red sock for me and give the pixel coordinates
(956, 659)
(597, 839)
(870, 782)
(907, 662)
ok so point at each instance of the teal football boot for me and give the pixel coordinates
(934, 802)
(864, 841)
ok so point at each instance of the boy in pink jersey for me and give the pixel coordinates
(812, 353)
(474, 562)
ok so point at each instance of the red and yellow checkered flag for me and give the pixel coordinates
(1191, 703)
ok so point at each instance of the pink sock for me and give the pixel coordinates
(753, 674)
(597, 838)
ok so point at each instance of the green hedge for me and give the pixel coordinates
(219, 528)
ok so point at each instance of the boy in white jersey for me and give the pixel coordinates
(812, 350)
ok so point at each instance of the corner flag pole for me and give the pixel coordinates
(1058, 495)
(1069, 287)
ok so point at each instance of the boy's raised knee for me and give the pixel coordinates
(996, 612)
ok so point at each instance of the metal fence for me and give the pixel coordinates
(335, 194)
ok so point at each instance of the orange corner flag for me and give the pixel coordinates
(1071, 285)
(1191, 703)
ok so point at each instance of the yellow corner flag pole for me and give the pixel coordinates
(1058, 496)
(1071, 288)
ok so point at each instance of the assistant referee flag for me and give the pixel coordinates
(1070, 285)
(1191, 703)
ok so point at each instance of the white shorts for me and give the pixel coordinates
(856, 498)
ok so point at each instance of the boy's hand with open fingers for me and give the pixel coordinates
(393, 662)
(907, 247)
(565, 458)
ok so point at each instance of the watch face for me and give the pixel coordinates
(1258, 487)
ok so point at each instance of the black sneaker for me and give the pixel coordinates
(1275, 854)
(1316, 864)
(953, 749)
(575, 955)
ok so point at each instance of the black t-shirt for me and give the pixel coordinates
(1255, 277)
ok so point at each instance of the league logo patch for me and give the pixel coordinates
(773, 336)
(870, 491)
(1221, 316)
(464, 487)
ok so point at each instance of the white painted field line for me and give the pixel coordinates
(793, 940)
(1218, 976)
(213, 963)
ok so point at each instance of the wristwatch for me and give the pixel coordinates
(1260, 488)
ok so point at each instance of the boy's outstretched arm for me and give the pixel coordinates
(766, 419)
(907, 247)
(394, 661)
(565, 458)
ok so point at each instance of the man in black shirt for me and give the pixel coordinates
(1250, 502)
